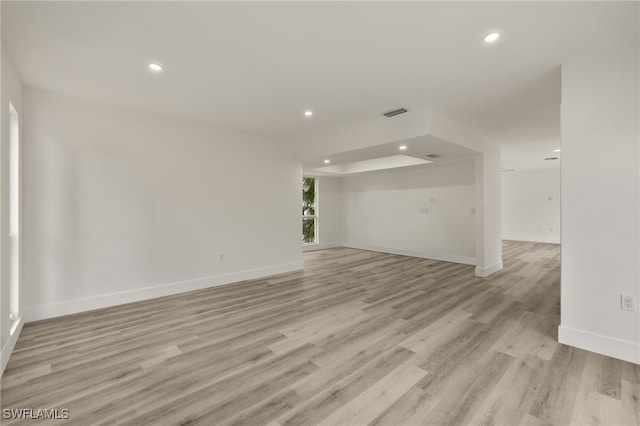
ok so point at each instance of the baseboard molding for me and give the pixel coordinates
(550, 240)
(486, 271)
(321, 246)
(433, 256)
(8, 347)
(604, 345)
(35, 313)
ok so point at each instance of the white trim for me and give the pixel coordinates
(35, 313)
(598, 343)
(433, 256)
(486, 271)
(8, 347)
(320, 246)
(550, 240)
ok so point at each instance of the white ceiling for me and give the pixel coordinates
(345, 163)
(531, 155)
(375, 164)
(256, 66)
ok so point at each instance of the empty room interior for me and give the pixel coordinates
(468, 248)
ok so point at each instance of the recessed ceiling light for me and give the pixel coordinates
(491, 37)
(308, 113)
(557, 150)
(402, 147)
(327, 161)
(155, 67)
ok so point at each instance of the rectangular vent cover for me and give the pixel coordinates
(395, 112)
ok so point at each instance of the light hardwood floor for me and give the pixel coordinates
(357, 338)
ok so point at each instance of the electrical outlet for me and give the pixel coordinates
(627, 303)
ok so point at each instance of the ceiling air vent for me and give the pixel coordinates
(433, 156)
(395, 112)
(550, 158)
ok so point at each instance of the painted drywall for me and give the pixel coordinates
(123, 205)
(419, 122)
(488, 213)
(423, 211)
(601, 201)
(11, 93)
(531, 205)
(488, 189)
(330, 211)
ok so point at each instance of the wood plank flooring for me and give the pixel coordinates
(357, 338)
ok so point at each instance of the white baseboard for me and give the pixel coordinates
(488, 270)
(320, 246)
(550, 240)
(35, 313)
(433, 256)
(605, 345)
(8, 347)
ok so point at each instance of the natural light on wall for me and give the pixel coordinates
(14, 218)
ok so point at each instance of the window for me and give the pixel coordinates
(309, 211)
(14, 218)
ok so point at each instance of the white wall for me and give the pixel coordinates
(11, 93)
(123, 205)
(488, 213)
(330, 211)
(601, 201)
(531, 205)
(422, 211)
